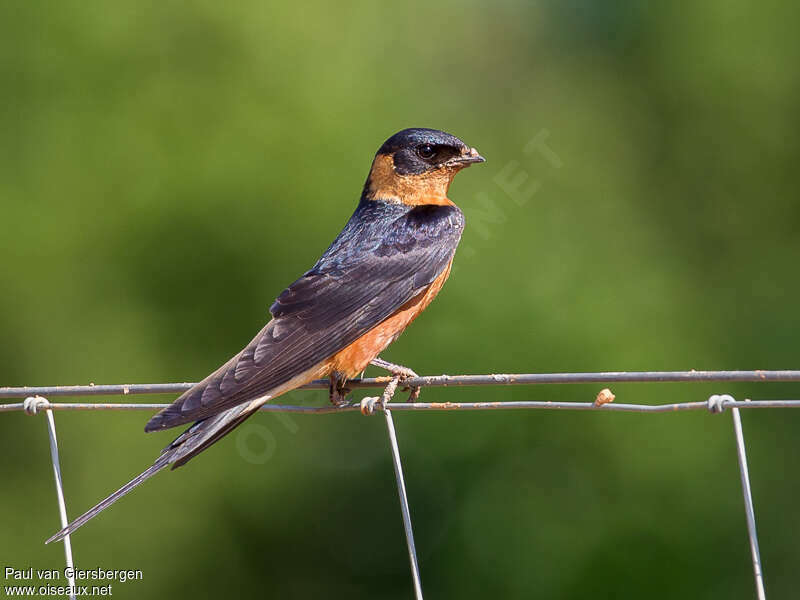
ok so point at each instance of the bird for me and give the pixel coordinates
(383, 269)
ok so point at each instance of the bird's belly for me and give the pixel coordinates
(353, 359)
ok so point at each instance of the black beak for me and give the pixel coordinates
(467, 158)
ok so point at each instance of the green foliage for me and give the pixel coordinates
(166, 169)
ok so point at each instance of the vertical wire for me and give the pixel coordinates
(62, 508)
(748, 505)
(401, 490)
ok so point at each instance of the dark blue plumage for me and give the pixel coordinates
(385, 255)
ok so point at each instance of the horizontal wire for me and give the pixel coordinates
(34, 400)
(443, 406)
(429, 381)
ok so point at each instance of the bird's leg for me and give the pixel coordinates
(401, 373)
(399, 370)
(368, 404)
(338, 389)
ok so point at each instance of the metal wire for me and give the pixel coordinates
(429, 381)
(35, 403)
(441, 406)
(401, 491)
(715, 404)
(750, 514)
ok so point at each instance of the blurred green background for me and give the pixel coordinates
(167, 168)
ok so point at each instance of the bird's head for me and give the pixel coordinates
(416, 166)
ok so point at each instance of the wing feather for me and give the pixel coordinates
(386, 254)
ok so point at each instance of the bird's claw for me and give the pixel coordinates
(402, 374)
(339, 401)
(368, 405)
(338, 390)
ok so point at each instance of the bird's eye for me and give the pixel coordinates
(426, 151)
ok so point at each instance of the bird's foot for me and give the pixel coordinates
(401, 373)
(368, 404)
(399, 370)
(338, 389)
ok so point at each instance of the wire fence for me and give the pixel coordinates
(35, 400)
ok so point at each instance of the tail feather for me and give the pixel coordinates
(104, 504)
(213, 429)
(186, 446)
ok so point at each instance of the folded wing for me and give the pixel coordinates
(386, 255)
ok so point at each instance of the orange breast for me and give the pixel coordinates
(354, 358)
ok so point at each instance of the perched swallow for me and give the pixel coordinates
(378, 275)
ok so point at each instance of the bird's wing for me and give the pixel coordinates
(376, 265)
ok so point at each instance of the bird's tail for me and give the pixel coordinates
(186, 446)
(103, 504)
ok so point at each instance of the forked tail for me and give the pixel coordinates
(186, 446)
(104, 504)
